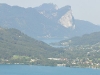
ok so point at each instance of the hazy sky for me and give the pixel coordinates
(88, 10)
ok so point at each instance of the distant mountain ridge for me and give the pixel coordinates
(62, 16)
(87, 39)
(45, 21)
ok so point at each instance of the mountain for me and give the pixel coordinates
(45, 21)
(13, 42)
(86, 39)
(82, 51)
(18, 48)
(29, 21)
(62, 16)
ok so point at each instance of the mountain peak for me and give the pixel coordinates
(67, 19)
(48, 6)
(47, 9)
(66, 7)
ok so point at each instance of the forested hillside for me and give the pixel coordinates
(87, 39)
(16, 46)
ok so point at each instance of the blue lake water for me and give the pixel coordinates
(45, 70)
(48, 41)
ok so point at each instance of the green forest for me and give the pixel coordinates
(18, 48)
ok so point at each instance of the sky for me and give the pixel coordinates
(88, 10)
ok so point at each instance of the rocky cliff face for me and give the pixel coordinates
(63, 16)
(67, 20)
(45, 21)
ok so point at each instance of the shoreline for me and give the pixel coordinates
(53, 66)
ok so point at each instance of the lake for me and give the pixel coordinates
(45, 70)
(52, 40)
